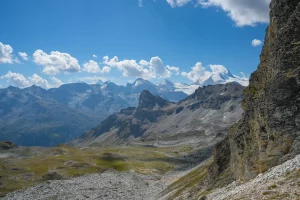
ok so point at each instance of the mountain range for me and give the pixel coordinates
(202, 117)
(36, 116)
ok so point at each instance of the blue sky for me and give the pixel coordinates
(168, 36)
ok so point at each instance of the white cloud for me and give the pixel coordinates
(197, 72)
(143, 69)
(174, 69)
(95, 56)
(242, 12)
(23, 55)
(19, 80)
(6, 54)
(156, 65)
(38, 81)
(178, 3)
(256, 43)
(140, 3)
(105, 59)
(218, 69)
(219, 73)
(93, 67)
(56, 62)
(105, 69)
(56, 82)
(129, 68)
(15, 79)
(144, 63)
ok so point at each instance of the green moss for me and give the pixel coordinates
(272, 187)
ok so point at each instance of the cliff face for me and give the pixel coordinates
(269, 132)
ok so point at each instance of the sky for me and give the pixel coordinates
(51, 42)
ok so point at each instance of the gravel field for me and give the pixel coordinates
(280, 182)
(108, 185)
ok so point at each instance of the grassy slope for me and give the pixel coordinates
(26, 167)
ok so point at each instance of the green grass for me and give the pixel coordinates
(71, 162)
(188, 183)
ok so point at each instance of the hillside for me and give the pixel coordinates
(34, 116)
(27, 119)
(202, 117)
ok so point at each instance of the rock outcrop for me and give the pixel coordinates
(268, 133)
(7, 145)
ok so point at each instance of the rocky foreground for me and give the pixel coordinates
(280, 182)
(108, 185)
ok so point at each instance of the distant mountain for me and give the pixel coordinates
(166, 85)
(221, 77)
(79, 102)
(166, 89)
(28, 117)
(204, 116)
(100, 82)
(34, 116)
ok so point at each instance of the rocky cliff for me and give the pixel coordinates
(269, 131)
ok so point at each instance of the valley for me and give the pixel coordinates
(25, 167)
(214, 139)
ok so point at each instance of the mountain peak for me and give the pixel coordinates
(100, 82)
(149, 101)
(220, 75)
(166, 85)
(141, 81)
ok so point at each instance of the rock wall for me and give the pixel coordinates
(267, 134)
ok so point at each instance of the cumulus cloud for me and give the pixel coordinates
(144, 69)
(219, 69)
(242, 12)
(178, 3)
(95, 56)
(256, 43)
(93, 67)
(6, 54)
(144, 63)
(198, 72)
(56, 62)
(19, 80)
(129, 68)
(174, 69)
(156, 65)
(38, 81)
(56, 82)
(23, 55)
(15, 79)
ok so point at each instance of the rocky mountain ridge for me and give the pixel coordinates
(34, 116)
(207, 113)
